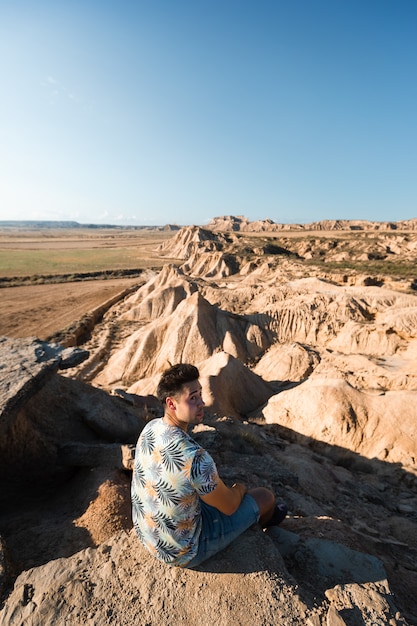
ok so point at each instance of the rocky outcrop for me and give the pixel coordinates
(291, 362)
(240, 223)
(159, 296)
(330, 410)
(193, 332)
(26, 366)
(71, 555)
(79, 559)
(247, 584)
(41, 410)
(313, 312)
(189, 240)
(231, 388)
(206, 253)
(88, 566)
(211, 264)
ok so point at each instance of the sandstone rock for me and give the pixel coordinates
(211, 264)
(112, 455)
(148, 402)
(99, 414)
(97, 584)
(189, 239)
(247, 583)
(332, 411)
(5, 574)
(62, 411)
(160, 296)
(230, 388)
(26, 366)
(287, 362)
(355, 583)
(240, 223)
(193, 332)
(316, 313)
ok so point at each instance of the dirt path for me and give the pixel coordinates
(42, 310)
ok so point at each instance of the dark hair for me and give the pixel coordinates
(173, 379)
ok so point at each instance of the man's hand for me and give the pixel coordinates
(241, 488)
(226, 499)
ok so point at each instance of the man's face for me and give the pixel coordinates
(189, 405)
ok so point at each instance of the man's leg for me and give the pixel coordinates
(219, 529)
(265, 500)
(271, 513)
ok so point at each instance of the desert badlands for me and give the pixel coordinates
(309, 376)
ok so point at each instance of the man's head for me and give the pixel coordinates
(173, 380)
(179, 390)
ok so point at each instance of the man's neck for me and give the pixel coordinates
(171, 420)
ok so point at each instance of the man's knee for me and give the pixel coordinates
(264, 498)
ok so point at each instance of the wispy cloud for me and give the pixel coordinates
(57, 91)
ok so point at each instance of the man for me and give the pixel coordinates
(182, 511)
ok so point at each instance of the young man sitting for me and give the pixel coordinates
(182, 511)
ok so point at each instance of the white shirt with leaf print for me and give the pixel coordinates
(171, 471)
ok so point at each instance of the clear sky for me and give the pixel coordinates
(177, 111)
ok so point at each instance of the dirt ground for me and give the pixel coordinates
(42, 310)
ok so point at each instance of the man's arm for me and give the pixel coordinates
(225, 499)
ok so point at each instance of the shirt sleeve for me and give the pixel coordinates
(203, 476)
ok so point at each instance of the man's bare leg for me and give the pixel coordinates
(265, 500)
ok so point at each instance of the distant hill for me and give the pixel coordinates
(226, 223)
(242, 224)
(37, 224)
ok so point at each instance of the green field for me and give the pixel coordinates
(30, 262)
(41, 256)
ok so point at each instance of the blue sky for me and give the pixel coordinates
(177, 111)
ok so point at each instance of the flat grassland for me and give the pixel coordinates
(50, 274)
(71, 251)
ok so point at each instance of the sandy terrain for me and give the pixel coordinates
(42, 310)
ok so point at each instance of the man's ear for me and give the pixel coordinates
(170, 402)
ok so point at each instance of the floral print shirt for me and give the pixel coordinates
(171, 471)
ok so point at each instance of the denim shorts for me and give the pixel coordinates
(218, 529)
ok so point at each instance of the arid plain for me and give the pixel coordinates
(42, 287)
(41, 270)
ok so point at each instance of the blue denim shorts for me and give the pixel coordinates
(218, 529)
